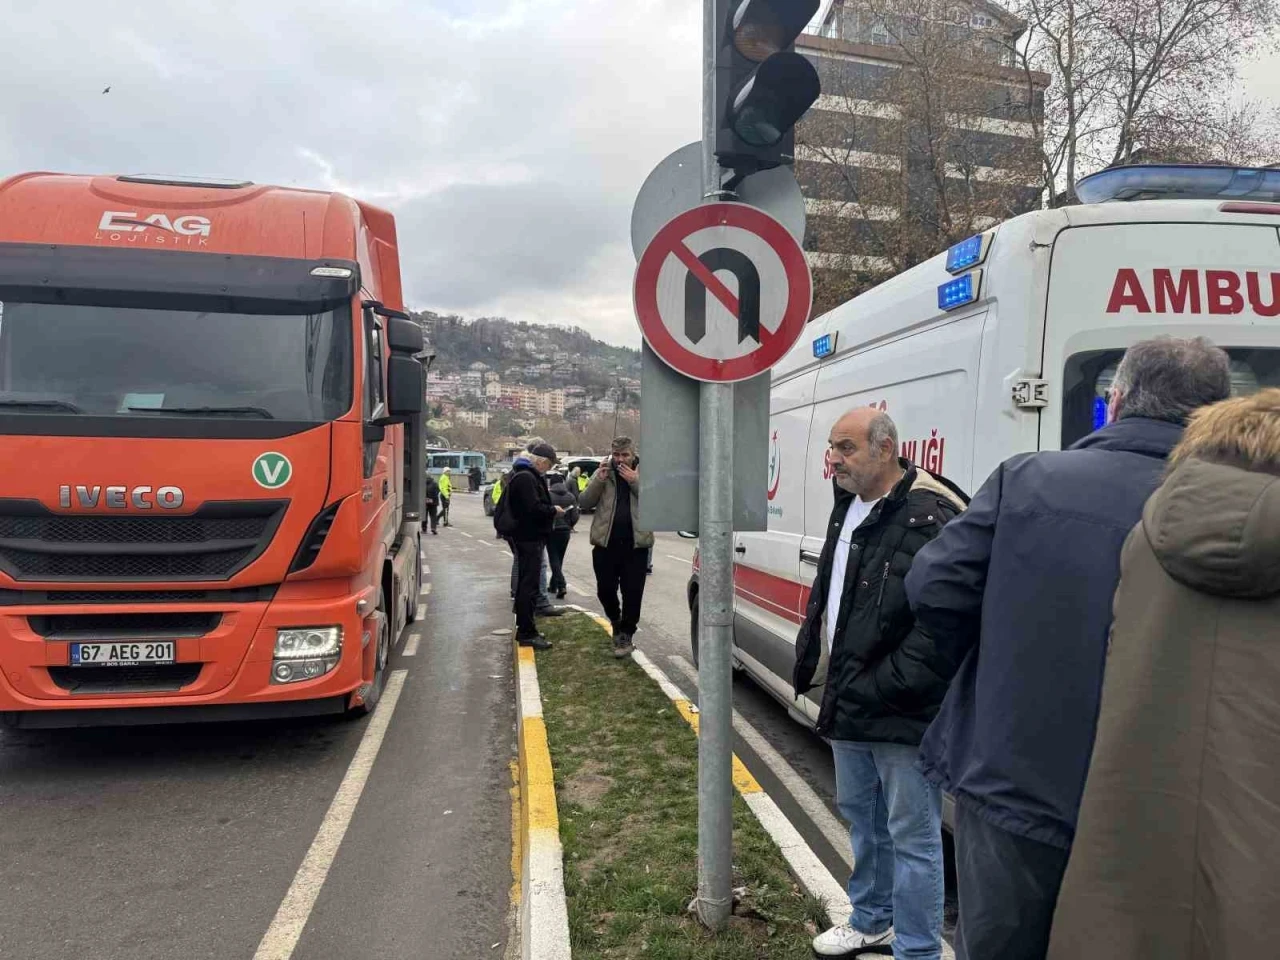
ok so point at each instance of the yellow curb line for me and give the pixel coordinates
(544, 915)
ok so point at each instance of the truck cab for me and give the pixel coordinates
(215, 399)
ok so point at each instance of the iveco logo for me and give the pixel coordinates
(121, 498)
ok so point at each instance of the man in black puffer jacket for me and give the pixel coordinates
(858, 619)
(532, 515)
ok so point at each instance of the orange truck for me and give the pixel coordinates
(211, 451)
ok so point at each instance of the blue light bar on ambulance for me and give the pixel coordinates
(956, 293)
(968, 253)
(824, 346)
(1180, 182)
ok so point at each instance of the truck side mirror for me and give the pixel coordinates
(406, 386)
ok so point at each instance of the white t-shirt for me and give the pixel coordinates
(858, 511)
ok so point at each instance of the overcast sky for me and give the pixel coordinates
(508, 136)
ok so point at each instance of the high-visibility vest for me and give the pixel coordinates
(497, 490)
(582, 482)
(446, 485)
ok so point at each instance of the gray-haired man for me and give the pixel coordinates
(1015, 594)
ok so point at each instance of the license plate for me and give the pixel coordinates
(121, 654)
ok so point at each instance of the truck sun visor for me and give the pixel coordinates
(40, 273)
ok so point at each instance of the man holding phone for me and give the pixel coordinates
(620, 548)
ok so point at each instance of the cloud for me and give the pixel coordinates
(509, 138)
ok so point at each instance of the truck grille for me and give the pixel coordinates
(144, 678)
(214, 543)
(123, 626)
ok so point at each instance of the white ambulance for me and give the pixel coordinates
(1004, 344)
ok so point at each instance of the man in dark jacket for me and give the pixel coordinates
(561, 530)
(432, 491)
(533, 514)
(886, 509)
(1016, 595)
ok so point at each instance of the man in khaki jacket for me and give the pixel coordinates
(1177, 849)
(620, 548)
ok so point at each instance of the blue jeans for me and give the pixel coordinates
(895, 826)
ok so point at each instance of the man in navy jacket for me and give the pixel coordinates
(1015, 594)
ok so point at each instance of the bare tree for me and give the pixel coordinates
(903, 166)
(1134, 78)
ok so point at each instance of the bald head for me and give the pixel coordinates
(864, 452)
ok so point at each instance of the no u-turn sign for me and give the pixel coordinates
(722, 292)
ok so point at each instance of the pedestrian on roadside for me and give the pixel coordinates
(561, 531)
(526, 515)
(476, 479)
(858, 628)
(619, 546)
(1016, 594)
(1177, 848)
(543, 607)
(446, 493)
(432, 490)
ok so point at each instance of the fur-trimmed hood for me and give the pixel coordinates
(1216, 528)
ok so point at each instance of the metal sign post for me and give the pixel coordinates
(715, 548)
(722, 291)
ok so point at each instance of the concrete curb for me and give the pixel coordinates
(544, 914)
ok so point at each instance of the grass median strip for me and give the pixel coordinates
(626, 786)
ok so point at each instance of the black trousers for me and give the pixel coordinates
(620, 568)
(1008, 888)
(557, 547)
(528, 564)
(433, 514)
(444, 510)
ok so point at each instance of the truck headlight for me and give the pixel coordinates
(305, 653)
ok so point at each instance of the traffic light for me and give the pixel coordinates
(762, 86)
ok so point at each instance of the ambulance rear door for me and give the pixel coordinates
(1113, 284)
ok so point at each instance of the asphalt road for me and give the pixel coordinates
(183, 842)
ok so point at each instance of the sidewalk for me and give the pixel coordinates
(625, 775)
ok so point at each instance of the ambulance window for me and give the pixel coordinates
(1088, 377)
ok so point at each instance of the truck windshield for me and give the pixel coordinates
(67, 360)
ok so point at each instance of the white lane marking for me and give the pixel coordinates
(467, 535)
(482, 543)
(426, 568)
(681, 559)
(574, 588)
(833, 831)
(648, 666)
(411, 645)
(810, 871)
(426, 590)
(281, 938)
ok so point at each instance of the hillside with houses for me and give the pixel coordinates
(495, 380)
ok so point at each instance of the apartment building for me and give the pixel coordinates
(923, 134)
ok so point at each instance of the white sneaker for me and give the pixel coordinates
(844, 941)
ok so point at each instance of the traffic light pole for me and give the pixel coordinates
(715, 598)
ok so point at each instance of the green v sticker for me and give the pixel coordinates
(272, 470)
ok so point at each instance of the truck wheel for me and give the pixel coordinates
(415, 584)
(381, 655)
